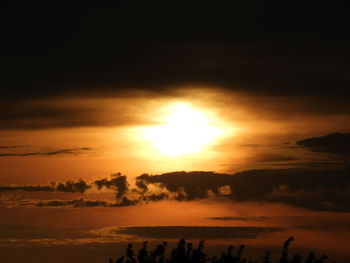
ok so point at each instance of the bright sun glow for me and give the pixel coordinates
(185, 130)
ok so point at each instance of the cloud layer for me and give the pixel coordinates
(79, 186)
(313, 189)
(69, 151)
(335, 143)
(196, 232)
(327, 190)
(240, 50)
(318, 189)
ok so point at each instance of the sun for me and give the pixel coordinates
(183, 130)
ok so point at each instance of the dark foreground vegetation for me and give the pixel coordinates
(185, 253)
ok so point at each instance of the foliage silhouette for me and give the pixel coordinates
(184, 253)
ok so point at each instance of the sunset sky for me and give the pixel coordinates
(129, 122)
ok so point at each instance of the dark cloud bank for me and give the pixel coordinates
(128, 50)
(82, 203)
(70, 186)
(161, 232)
(196, 232)
(335, 143)
(327, 190)
(117, 182)
(318, 189)
(107, 48)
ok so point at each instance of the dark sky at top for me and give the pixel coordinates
(276, 48)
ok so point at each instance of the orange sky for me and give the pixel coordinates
(251, 128)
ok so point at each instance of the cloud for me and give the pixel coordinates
(323, 189)
(126, 202)
(217, 64)
(70, 113)
(310, 188)
(70, 186)
(239, 218)
(11, 146)
(71, 203)
(78, 203)
(222, 52)
(196, 232)
(334, 143)
(73, 187)
(69, 151)
(140, 184)
(22, 231)
(274, 157)
(29, 188)
(155, 197)
(117, 182)
(195, 185)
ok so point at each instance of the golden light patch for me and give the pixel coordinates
(184, 130)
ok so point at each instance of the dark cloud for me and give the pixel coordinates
(124, 50)
(81, 203)
(69, 151)
(239, 218)
(65, 114)
(274, 157)
(329, 164)
(22, 231)
(71, 203)
(256, 184)
(29, 188)
(117, 182)
(11, 146)
(155, 197)
(194, 184)
(126, 202)
(140, 183)
(215, 52)
(317, 189)
(73, 187)
(196, 232)
(310, 188)
(335, 143)
(70, 187)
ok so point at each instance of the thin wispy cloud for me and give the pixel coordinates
(12, 146)
(239, 218)
(196, 232)
(68, 151)
(79, 186)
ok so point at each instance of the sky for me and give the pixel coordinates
(127, 122)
